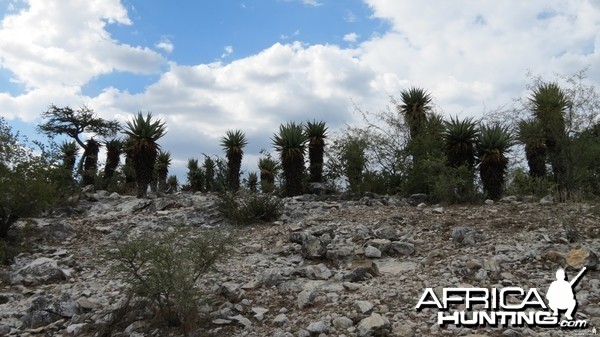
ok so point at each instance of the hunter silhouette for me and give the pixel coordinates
(560, 294)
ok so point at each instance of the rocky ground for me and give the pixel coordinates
(327, 267)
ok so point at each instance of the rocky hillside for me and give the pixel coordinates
(327, 267)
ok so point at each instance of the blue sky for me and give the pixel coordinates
(222, 31)
(208, 66)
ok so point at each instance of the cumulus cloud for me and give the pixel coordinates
(165, 44)
(468, 55)
(49, 45)
(351, 37)
(228, 51)
(482, 48)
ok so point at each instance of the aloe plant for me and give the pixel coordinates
(268, 168)
(142, 147)
(316, 132)
(233, 143)
(290, 142)
(460, 138)
(114, 148)
(493, 143)
(163, 161)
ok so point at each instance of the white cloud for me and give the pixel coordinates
(228, 51)
(47, 44)
(165, 44)
(313, 3)
(351, 37)
(472, 55)
(469, 55)
(285, 37)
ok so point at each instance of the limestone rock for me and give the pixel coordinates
(305, 298)
(372, 252)
(318, 272)
(42, 270)
(582, 257)
(317, 327)
(401, 248)
(342, 323)
(242, 320)
(374, 324)
(281, 319)
(313, 248)
(364, 307)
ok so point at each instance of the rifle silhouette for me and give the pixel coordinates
(573, 281)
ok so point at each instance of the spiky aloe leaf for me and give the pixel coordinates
(69, 152)
(142, 147)
(252, 181)
(416, 102)
(268, 170)
(316, 132)
(233, 144)
(460, 137)
(493, 143)
(290, 142)
(531, 134)
(114, 148)
(163, 161)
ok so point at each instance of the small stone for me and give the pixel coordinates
(372, 252)
(270, 277)
(73, 329)
(341, 323)
(259, 313)
(416, 199)
(438, 210)
(302, 333)
(221, 321)
(364, 307)
(481, 275)
(489, 202)
(280, 320)
(317, 327)
(553, 256)
(401, 248)
(242, 320)
(318, 272)
(135, 326)
(313, 248)
(511, 333)
(582, 257)
(547, 200)
(305, 298)
(87, 304)
(491, 265)
(372, 325)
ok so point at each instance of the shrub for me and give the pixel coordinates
(455, 185)
(25, 187)
(521, 184)
(164, 269)
(244, 208)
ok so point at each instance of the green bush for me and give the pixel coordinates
(25, 186)
(244, 208)
(455, 185)
(521, 184)
(164, 269)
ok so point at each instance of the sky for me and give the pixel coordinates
(206, 67)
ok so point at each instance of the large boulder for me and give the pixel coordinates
(42, 270)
